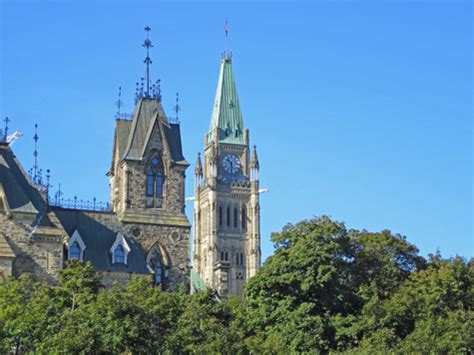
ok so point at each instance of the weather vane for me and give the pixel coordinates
(147, 44)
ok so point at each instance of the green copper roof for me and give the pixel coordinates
(197, 283)
(226, 114)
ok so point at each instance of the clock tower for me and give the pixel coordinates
(226, 249)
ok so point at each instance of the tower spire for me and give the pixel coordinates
(147, 44)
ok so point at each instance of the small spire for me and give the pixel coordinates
(254, 163)
(158, 89)
(198, 170)
(177, 108)
(35, 155)
(119, 103)
(147, 44)
(48, 179)
(5, 131)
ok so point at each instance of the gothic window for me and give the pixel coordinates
(75, 251)
(235, 217)
(228, 216)
(154, 182)
(159, 184)
(237, 258)
(226, 256)
(220, 216)
(222, 256)
(241, 258)
(119, 255)
(244, 218)
(149, 183)
(156, 266)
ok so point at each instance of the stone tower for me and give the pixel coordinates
(226, 250)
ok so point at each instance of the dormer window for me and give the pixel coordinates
(75, 251)
(120, 250)
(119, 255)
(76, 247)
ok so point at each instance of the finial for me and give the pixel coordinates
(147, 44)
(177, 108)
(35, 155)
(5, 131)
(48, 179)
(158, 89)
(226, 54)
(119, 103)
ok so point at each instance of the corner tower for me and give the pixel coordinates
(226, 249)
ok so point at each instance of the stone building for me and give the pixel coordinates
(226, 240)
(144, 232)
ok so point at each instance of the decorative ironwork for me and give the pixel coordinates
(35, 172)
(177, 108)
(147, 44)
(79, 204)
(5, 130)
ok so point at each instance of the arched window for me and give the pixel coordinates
(220, 216)
(226, 256)
(237, 258)
(244, 218)
(149, 183)
(241, 258)
(228, 216)
(159, 184)
(157, 267)
(154, 182)
(119, 255)
(236, 218)
(222, 255)
(75, 251)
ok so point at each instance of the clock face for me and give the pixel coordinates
(231, 164)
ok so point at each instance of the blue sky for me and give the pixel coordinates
(361, 110)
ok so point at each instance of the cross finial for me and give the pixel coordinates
(147, 44)
(7, 121)
(119, 103)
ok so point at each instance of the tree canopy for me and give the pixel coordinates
(326, 289)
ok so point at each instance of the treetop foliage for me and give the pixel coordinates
(326, 289)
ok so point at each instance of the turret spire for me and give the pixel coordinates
(198, 170)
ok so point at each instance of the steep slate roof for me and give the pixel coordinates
(98, 230)
(20, 194)
(132, 136)
(226, 115)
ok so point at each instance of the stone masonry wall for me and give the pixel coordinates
(39, 255)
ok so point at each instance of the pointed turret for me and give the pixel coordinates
(198, 170)
(254, 163)
(226, 121)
